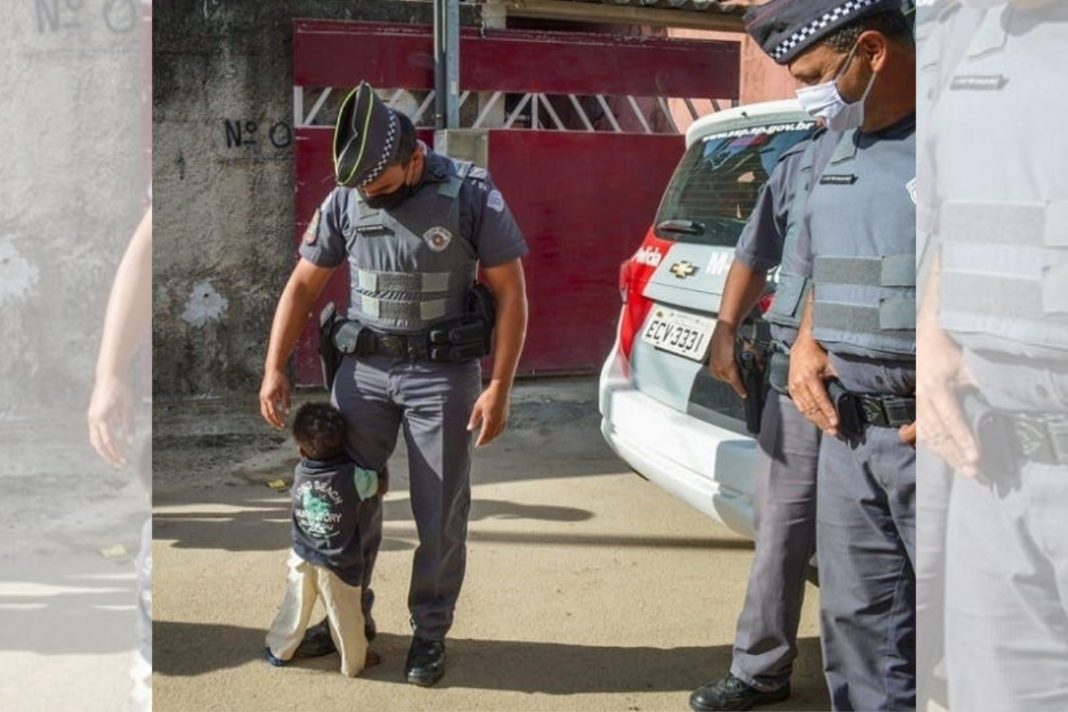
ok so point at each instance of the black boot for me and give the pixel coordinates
(730, 693)
(317, 641)
(426, 661)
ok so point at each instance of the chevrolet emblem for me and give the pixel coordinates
(682, 270)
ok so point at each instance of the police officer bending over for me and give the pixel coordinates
(414, 226)
(852, 367)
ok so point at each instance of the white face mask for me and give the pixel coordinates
(824, 101)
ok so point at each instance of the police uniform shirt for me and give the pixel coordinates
(761, 243)
(865, 198)
(763, 240)
(999, 139)
(486, 223)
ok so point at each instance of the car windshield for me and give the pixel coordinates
(715, 186)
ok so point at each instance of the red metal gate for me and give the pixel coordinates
(583, 175)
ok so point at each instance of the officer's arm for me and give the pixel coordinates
(294, 307)
(303, 288)
(509, 287)
(809, 371)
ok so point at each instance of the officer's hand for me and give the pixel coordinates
(908, 433)
(274, 398)
(809, 372)
(110, 417)
(721, 361)
(491, 413)
(939, 380)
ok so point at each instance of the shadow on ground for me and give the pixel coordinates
(516, 666)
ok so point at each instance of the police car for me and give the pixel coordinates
(662, 411)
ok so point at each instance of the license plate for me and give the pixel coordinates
(680, 333)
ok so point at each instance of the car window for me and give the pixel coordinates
(715, 187)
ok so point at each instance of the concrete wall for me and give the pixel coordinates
(223, 180)
(223, 176)
(74, 183)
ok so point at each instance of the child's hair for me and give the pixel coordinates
(319, 430)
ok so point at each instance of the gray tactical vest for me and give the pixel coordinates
(793, 286)
(1003, 218)
(410, 266)
(1004, 282)
(862, 220)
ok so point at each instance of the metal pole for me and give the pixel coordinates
(440, 77)
(452, 64)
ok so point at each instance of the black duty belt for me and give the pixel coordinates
(1008, 438)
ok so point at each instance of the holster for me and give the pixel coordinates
(752, 360)
(999, 464)
(848, 407)
(329, 357)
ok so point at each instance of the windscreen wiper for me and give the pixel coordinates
(686, 227)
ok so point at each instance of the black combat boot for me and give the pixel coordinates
(426, 661)
(730, 693)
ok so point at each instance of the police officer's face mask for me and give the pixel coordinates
(824, 101)
(388, 201)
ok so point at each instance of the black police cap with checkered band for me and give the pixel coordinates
(365, 138)
(786, 28)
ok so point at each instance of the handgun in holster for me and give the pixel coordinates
(999, 464)
(752, 360)
(470, 336)
(329, 356)
(849, 409)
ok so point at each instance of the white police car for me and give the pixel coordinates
(663, 413)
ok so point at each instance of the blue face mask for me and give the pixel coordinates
(824, 101)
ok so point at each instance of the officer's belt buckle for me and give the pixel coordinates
(1040, 440)
(899, 411)
(416, 350)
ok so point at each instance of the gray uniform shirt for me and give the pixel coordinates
(486, 223)
(1012, 57)
(762, 246)
(863, 202)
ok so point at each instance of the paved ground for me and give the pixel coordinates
(67, 610)
(587, 589)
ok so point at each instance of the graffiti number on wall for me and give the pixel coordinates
(120, 16)
(243, 133)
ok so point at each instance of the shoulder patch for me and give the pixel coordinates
(312, 233)
(495, 201)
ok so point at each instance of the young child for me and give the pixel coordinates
(326, 560)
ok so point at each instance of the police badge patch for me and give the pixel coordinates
(495, 201)
(312, 233)
(437, 238)
(911, 188)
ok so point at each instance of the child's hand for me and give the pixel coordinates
(383, 486)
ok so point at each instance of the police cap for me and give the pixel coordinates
(786, 28)
(366, 137)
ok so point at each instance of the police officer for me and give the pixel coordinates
(994, 373)
(856, 341)
(765, 643)
(414, 226)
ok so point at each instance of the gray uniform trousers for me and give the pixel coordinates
(765, 644)
(865, 544)
(1007, 563)
(432, 403)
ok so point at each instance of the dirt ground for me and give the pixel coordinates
(587, 587)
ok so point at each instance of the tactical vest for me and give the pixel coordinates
(1003, 219)
(864, 238)
(1004, 280)
(411, 267)
(793, 286)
